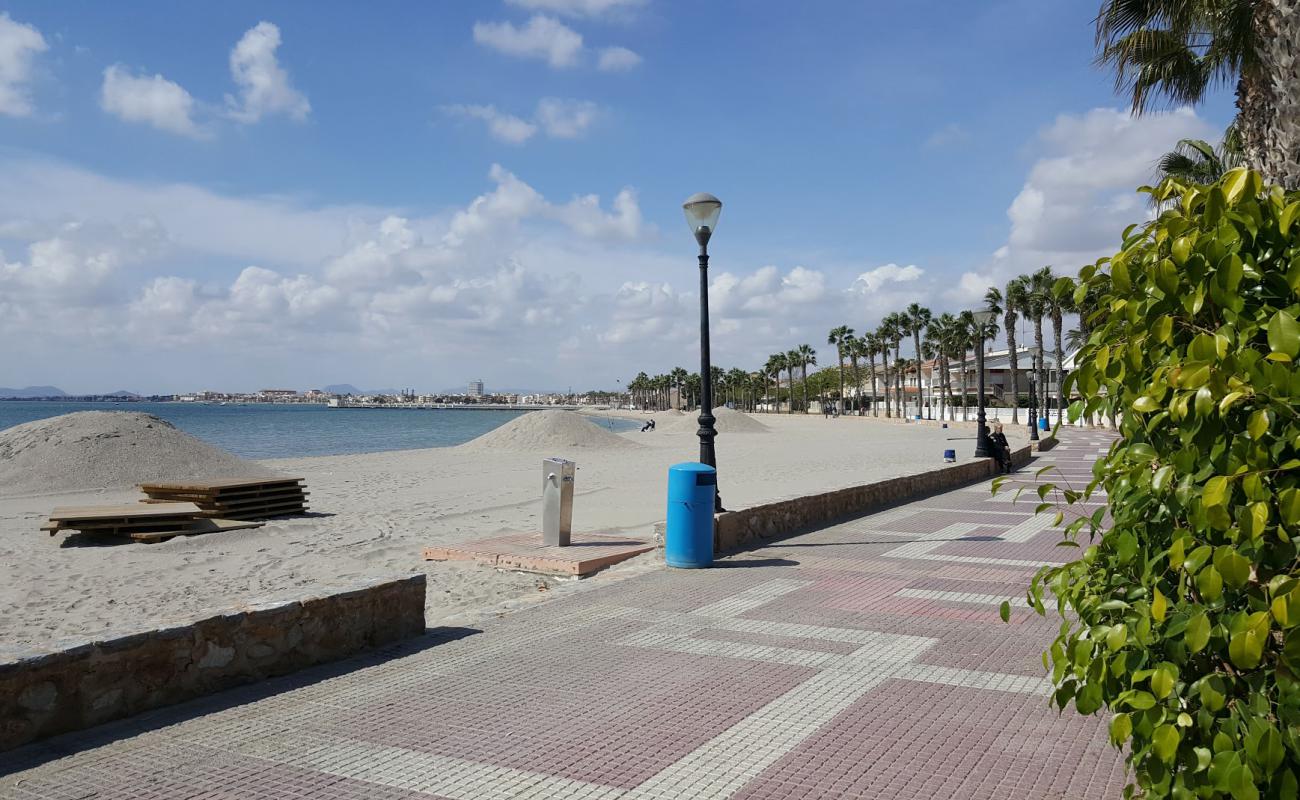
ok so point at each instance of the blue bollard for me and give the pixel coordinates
(688, 536)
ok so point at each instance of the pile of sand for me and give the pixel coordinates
(549, 430)
(108, 450)
(728, 420)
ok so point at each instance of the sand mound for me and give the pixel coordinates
(728, 420)
(549, 430)
(108, 450)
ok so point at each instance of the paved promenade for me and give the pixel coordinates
(862, 660)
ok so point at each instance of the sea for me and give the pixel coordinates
(266, 430)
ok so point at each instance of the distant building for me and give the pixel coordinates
(278, 393)
(475, 388)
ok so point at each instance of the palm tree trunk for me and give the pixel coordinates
(916, 340)
(1042, 388)
(857, 383)
(1269, 99)
(898, 379)
(789, 371)
(839, 354)
(871, 355)
(1056, 337)
(884, 378)
(964, 417)
(1010, 321)
(805, 387)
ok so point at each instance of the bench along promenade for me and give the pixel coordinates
(863, 659)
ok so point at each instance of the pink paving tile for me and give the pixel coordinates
(607, 714)
(914, 740)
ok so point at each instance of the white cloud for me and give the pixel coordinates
(1079, 195)
(19, 46)
(617, 59)
(542, 37)
(505, 127)
(557, 118)
(579, 8)
(264, 86)
(566, 119)
(949, 135)
(153, 100)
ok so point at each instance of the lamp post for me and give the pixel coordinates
(702, 211)
(1033, 395)
(983, 447)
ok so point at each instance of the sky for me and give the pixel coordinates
(244, 195)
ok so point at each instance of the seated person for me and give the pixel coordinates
(1001, 447)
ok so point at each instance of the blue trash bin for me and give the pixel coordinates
(1043, 424)
(688, 537)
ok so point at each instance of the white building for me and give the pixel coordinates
(475, 388)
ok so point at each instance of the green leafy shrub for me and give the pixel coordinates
(1182, 617)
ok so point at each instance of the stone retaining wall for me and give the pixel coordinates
(48, 691)
(733, 530)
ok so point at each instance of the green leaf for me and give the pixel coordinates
(1162, 683)
(1180, 249)
(1288, 506)
(1246, 649)
(1197, 634)
(1234, 567)
(1287, 217)
(1228, 400)
(1216, 489)
(1158, 606)
(1164, 743)
(1146, 404)
(1140, 700)
(1258, 424)
(1284, 335)
(1210, 584)
(1235, 183)
(1121, 727)
(1004, 610)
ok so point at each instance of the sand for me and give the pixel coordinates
(726, 420)
(108, 450)
(373, 512)
(548, 430)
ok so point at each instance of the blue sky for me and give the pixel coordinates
(235, 195)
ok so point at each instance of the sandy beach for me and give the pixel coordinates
(372, 513)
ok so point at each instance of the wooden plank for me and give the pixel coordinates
(207, 502)
(216, 485)
(132, 511)
(198, 497)
(258, 513)
(133, 525)
(199, 526)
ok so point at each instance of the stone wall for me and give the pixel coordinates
(78, 685)
(733, 530)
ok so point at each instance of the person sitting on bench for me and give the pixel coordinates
(1001, 447)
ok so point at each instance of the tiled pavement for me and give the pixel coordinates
(862, 660)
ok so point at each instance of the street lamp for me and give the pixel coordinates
(702, 212)
(1033, 394)
(983, 447)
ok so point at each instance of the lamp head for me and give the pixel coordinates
(983, 317)
(702, 211)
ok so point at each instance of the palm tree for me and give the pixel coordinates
(946, 334)
(773, 367)
(870, 344)
(963, 338)
(807, 355)
(1039, 288)
(918, 317)
(1197, 161)
(896, 328)
(884, 335)
(1010, 303)
(838, 337)
(1180, 50)
(853, 347)
(791, 361)
(1058, 304)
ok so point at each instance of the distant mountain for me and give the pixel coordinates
(33, 391)
(342, 388)
(122, 393)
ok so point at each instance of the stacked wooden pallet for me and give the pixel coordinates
(152, 523)
(236, 499)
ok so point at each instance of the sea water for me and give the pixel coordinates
(265, 430)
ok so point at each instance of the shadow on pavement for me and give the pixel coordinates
(37, 753)
(755, 562)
